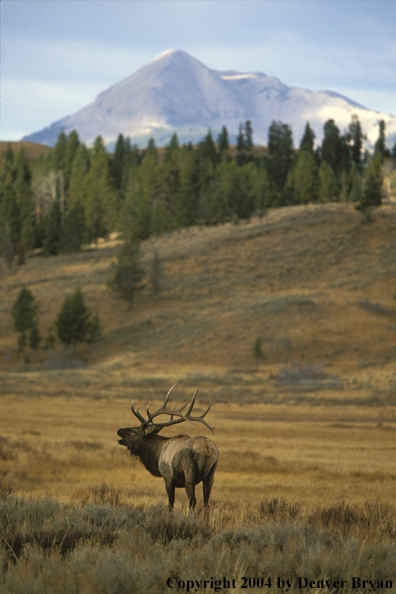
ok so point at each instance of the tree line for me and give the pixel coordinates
(76, 194)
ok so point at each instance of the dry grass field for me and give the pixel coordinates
(305, 455)
(307, 438)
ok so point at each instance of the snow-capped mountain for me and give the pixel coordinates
(176, 92)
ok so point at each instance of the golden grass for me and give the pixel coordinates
(307, 455)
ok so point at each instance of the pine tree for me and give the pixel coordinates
(393, 154)
(223, 140)
(231, 194)
(172, 147)
(186, 200)
(24, 198)
(281, 155)
(118, 162)
(170, 176)
(372, 192)
(128, 275)
(9, 211)
(10, 220)
(142, 216)
(207, 149)
(331, 147)
(328, 189)
(25, 314)
(99, 199)
(380, 146)
(8, 247)
(58, 155)
(70, 153)
(308, 139)
(23, 178)
(248, 136)
(74, 232)
(142, 193)
(79, 170)
(73, 229)
(344, 186)
(161, 218)
(8, 156)
(304, 179)
(243, 199)
(261, 189)
(207, 188)
(222, 195)
(244, 143)
(151, 147)
(240, 145)
(76, 323)
(355, 183)
(355, 138)
(52, 225)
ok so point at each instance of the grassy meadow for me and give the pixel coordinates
(305, 486)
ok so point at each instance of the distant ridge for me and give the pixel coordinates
(175, 92)
(32, 149)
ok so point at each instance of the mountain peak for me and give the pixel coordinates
(175, 92)
(174, 58)
(171, 53)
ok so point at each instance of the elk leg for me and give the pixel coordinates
(190, 490)
(170, 489)
(207, 484)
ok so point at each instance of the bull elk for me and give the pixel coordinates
(182, 461)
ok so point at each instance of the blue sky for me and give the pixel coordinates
(57, 55)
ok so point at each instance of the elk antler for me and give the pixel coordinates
(173, 413)
(137, 414)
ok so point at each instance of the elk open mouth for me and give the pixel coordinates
(120, 441)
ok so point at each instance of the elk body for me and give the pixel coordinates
(182, 461)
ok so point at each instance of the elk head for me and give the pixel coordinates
(131, 436)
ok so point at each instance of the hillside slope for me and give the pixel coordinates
(32, 149)
(313, 282)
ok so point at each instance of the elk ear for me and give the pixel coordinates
(152, 429)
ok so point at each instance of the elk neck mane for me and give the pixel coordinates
(149, 451)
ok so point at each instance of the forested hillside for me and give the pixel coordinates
(73, 195)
